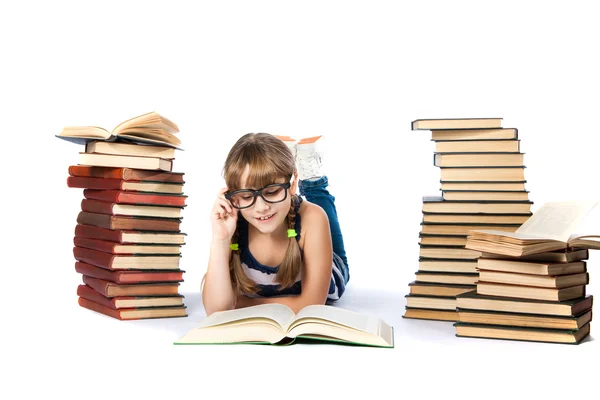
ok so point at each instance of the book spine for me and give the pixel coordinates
(97, 272)
(94, 244)
(124, 197)
(90, 305)
(99, 220)
(96, 172)
(98, 207)
(99, 285)
(90, 294)
(93, 183)
(94, 232)
(97, 258)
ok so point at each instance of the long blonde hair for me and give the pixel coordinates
(268, 158)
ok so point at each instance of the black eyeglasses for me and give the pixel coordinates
(244, 198)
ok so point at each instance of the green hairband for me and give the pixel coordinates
(234, 246)
(291, 233)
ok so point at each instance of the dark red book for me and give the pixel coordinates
(112, 262)
(128, 276)
(124, 197)
(104, 207)
(127, 222)
(118, 248)
(111, 289)
(129, 301)
(134, 313)
(129, 236)
(121, 184)
(126, 173)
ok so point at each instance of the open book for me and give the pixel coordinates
(277, 324)
(555, 226)
(150, 128)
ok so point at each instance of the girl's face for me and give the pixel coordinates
(264, 216)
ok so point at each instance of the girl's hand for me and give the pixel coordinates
(223, 218)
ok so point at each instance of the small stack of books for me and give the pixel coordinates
(483, 187)
(127, 242)
(532, 283)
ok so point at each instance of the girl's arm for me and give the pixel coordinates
(318, 259)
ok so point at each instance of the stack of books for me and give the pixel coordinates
(533, 282)
(482, 187)
(127, 243)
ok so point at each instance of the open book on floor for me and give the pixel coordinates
(149, 128)
(555, 226)
(277, 324)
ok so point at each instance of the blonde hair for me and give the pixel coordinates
(268, 159)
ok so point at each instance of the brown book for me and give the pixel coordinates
(129, 301)
(462, 229)
(478, 159)
(127, 197)
(447, 277)
(560, 256)
(504, 195)
(433, 315)
(442, 240)
(483, 186)
(543, 281)
(474, 134)
(123, 222)
(126, 174)
(103, 207)
(111, 289)
(474, 301)
(134, 313)
(430, 302)
(111, 261)
(119, 184)
(129, 276)
(456, 123)
(447, 265)
(477, 146)
(437, 205)
(475, 219)
(129, 236)
(451, 252)
(482, 174)
(118, 248)
(520, 333)
(524, 320)
(530, 292)
(438, 289)
(528, 267)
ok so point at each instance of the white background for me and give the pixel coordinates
(357, 72)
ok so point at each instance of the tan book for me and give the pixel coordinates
(440, 240)
(278, 324)
(519, 333)
(477, 146)
(559, 256)
(439, 289)
(109, 160)
(431, 302)
(447, 277)
(127, 149)
(555, 226)
(456, 123)
(448, 229)
(483, 186)
(530, 292)
(534, 268)
(475, 219)
(477, 195)
(482, 174)
(543, 281)
(434, 315)
(475, 134)
(524, 320)
(437, 205)
(478, 159)
(448, 252)
(448, 265)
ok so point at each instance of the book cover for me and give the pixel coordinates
(124, 222)
(111, 289)
(134, 313)
(126, 174)
(129, 301)
(129, 276)
(129, 236)
(120, 196)
(111, 261)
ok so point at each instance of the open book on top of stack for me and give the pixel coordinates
(278, 324)
(482, 187)
(128, 240)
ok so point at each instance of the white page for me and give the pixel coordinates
(278, 312)
(590, 225)
(341, 316)
(556, 220)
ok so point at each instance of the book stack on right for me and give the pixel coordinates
(533, 282)
(127, 243)
(483, 187)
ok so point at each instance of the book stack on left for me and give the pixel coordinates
(127, 243)
(482, 181)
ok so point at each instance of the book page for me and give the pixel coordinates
(341, 316)
(589, 226)
(279, 313)
(556, 220)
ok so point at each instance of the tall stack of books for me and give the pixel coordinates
(533, 282)
(482, 187)
(127, 243)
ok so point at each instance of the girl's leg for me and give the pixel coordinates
(315, 191)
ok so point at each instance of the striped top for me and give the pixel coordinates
(264, 276)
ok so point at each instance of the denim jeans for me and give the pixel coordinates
(316, 192)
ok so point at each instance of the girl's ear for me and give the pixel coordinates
(294, 186)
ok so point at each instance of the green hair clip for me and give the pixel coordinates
(291, 233)
(234, 246)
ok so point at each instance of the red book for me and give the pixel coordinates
(129, 236)
(118, 248)
(134, 313)
(103, 207)
(111, 289)
(112, 262)
(128, 222)
(120, 184)
(128, 301)
(125, 173)
(128, 276)
(120, 196)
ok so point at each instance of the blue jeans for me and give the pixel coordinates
(316, 192)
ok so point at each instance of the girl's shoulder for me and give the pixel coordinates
(312, 216)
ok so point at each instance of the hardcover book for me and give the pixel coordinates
(129, 236)
(129, 301)
(126, 174)
(111, 261)
(134, 313)
(120, 196)
(128, 276)
(119, 184)
(128, 222)
(111, 289)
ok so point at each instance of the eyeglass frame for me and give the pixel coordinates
(259, 192)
